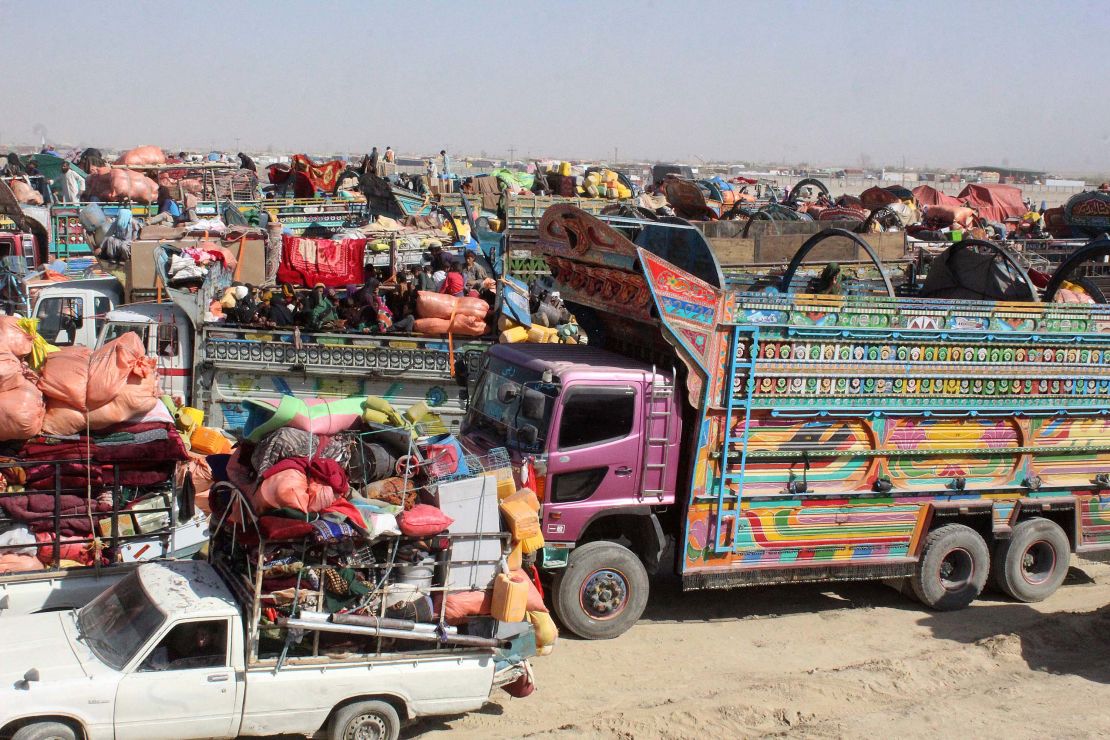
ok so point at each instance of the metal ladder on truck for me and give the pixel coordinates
(661, 390)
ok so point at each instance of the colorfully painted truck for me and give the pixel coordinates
(783, 437)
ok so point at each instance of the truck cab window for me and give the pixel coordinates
(59, 320)
(190, 645)
(167, 340)
(592, 415)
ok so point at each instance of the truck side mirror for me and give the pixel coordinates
(507, 392)
(533, 404)
(527, 435)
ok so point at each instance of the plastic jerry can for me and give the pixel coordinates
(541, 334)
(513, 335)
(532, 544)
(506, 487)
(515, 556)
(510, 598)
(546, 632)
(520, 517)
(526, 496)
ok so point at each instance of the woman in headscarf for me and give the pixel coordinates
(279, 312)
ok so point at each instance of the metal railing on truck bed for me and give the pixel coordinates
(237, 364)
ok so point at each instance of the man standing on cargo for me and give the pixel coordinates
(444, 171)
(72, 184)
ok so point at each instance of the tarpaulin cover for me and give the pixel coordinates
(333, 262)
(962, 274)
(927, 195)
(323, 176)
(995, 202)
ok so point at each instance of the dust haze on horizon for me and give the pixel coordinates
(833, 83)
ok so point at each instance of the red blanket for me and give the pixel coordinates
(333, 262)
(323, 176)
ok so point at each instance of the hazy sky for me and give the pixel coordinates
(937, 82)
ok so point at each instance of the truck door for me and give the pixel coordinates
(183, 687)
(594, 456)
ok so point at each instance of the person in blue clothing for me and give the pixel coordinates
(169, 212)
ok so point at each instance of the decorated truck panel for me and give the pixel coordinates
(820, 437)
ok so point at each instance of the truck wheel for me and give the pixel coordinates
(365, 720)
(45, 731)
(1032, 564)
(602, 591)
(953, 568)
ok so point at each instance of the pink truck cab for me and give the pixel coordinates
(604, 432)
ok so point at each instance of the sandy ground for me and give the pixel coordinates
(832, 660)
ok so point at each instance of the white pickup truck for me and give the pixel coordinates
(164, 653)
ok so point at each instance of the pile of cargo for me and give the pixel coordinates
(356, 526)
(605, 184)
(88, 451)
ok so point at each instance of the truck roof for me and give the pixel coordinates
(149, 313)
(579, 360)
(186, 587)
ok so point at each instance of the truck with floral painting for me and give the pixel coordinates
(783, 436)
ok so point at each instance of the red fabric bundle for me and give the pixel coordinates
(423, 521)
(283, 529)
(333, 262)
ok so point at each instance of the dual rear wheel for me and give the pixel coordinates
(956, 564)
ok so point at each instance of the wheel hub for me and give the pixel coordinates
(957, 569)
(1037, 562)
(365, 727)
(604, 594)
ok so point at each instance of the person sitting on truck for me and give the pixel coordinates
(402, 303)
(278, 312)
(474, 274)
(319, 311)
(453, 283)
(168, 209)
(424, 278)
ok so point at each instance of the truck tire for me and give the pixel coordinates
(1032, 564)
(953, 568)
(602, 591)
(365, 720)
(45, 731)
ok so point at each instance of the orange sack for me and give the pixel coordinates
(62, 419)
(65, 376)
(13, 338)
(464, 325)
(112, 365)
(143, 155)
(25, 194)
(440, 306)
(137, 396)
(23, 412)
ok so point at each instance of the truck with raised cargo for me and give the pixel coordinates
(779, 437)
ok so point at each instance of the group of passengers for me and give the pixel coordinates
(382, 304)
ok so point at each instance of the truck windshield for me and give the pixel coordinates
(501, 421)
(117, 329)
(118, 623)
